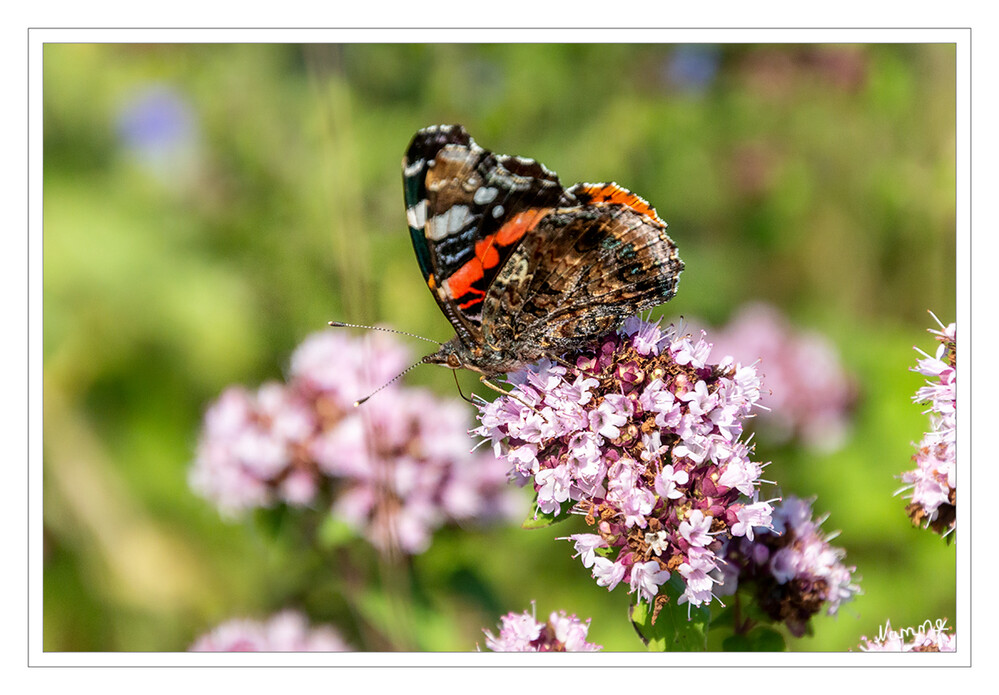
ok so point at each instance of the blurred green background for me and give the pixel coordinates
(206, 207)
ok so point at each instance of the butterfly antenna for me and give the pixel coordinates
(339, 324)
(390, 381)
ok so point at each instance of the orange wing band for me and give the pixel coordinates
(487, 254)
(614, 194)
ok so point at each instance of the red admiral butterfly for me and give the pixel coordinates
(522, 267)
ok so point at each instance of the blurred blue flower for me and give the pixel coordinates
(155, 117)
(693, 66)
(157, 126)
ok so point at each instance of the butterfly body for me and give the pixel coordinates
(522, 267)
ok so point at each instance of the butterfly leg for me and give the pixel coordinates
(485, 381)
(460, 392)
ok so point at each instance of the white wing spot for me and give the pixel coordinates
(457, 217)
(417, 215)
(449, 222)
(483, 196)
(498, 211)
(413, 168)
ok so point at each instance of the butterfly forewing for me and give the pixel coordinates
(468, 208)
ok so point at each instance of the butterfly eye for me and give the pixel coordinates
(453, 362)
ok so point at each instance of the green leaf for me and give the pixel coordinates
(760, 639)
(751, 610)
(737, 643)
(766, 639)
(672, 630)
(726, 618)
(540, 519)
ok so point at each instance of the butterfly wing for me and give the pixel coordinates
(468, 211)
(582, 272)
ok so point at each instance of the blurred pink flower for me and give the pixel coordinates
(287, 631)
(253, 449)
(408, 471)
(341, 368)
(521, 632)
(808, 393)
(396, 469)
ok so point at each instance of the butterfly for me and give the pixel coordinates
(522, 267)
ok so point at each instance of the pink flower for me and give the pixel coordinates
(667, 480)
(646, 450)
(570, 632)
(792, 570)
(251, 444)
(690, 353)
(750, 516)
(695, 529)
(810, 395)
(344, 368)
(553, 488)
(698, 575)
(931, 486)
(699, 401)
(608, 573)
(586, 545)
(416, 473)
(579, 391)
(740, 473)
(657, 398)
(646, 337)
(646, 578)
(607, 419)
(521, 632)
(287, 631)
(396, 469)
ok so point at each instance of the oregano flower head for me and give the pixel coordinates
(932, 487)
(395, 469)
(640, 434)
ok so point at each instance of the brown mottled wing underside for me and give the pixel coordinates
(578, 276)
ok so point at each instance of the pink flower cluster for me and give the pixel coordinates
(931, 487)
(928, 637)
(809, 394)
(521, 632)
(395, 469)
(792, 570)
(287, 631)
(641, 437)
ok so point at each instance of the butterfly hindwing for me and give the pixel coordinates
(584, 270)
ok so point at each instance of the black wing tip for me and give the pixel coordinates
(428, 141)
(456, 129)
